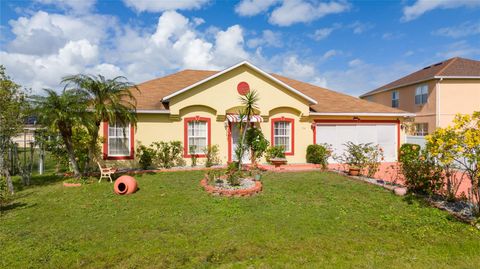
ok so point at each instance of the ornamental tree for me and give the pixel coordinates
(458, 147)
(13, 109)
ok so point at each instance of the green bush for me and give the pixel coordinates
(422, 174)
(319, 154)
(161, 154)
(145, 156)
(256, 141)
(193, 156)
(211, 155)
(274, 152)
(409, 152)
(5, 196)
(364, 156)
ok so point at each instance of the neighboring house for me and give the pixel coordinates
(435, 94)
(201, 108)
(27, 136)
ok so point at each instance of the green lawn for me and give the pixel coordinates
(311, 220)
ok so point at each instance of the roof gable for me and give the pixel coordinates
(244, 63)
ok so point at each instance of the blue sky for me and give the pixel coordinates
(347, 46)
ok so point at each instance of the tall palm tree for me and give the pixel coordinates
(249, 102)
(62, 112)
(109, 100)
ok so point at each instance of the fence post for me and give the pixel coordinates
(41, 160)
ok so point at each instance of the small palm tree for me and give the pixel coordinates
(109, 100)
(249, 102)
(61, 112)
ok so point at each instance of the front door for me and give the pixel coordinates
(235, 129)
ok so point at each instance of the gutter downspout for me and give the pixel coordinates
(437, 106)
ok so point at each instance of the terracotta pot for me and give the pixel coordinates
(354, 171)
(125, 185)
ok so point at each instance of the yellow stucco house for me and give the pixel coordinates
(435, 93)
(200, 108)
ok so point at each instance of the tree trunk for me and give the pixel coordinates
(70, 152)
(4, 171)
(91, 148)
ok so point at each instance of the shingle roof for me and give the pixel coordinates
(151, 93)
(456, 67)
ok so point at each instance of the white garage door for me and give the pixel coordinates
(337, 135)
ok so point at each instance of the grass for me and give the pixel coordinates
(310, 220)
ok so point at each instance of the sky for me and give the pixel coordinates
(347, 46)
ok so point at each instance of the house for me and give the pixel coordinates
(435, 93)
(201, 108)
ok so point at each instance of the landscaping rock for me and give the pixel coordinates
(400, 191)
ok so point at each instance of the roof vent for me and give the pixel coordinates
(437, 64)
(427, 67)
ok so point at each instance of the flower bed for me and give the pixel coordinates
(247, 187)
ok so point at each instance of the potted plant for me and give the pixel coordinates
(356, 157)
(353, 170)
(276, 155)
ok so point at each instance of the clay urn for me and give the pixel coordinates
(125, 185)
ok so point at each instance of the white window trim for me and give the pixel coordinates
(290, 144)
(421, 89)
(127, 133)
(189, 136)
(397, 95)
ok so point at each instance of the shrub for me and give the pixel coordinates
(176, 153)
(213, 175)
(163, 156)
(193, 156)
(256, 141)
(5, 196)
(319, 154)
(145, 156)
(363, 156)
(422, 174)
(409, 152)
(274, 152)
(211, 155)
(457, 148)
(233, 174)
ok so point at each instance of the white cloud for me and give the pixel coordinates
(160, 6)
(254, 7)
(422, 6)
(330, 53)
(462, 30)
(392, 36)
(77, 6)
(288, 12)
(297, 11)
(359, 77)
(360, 27)
(459, 49)
(46, 71)
(323, 33)
(229, 46)
(268, 38)
(45, 33)
(106, 70)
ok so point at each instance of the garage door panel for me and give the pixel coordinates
(385, 135)
(387, 139)
(366, 134)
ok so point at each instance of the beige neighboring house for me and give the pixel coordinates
(435, 93)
